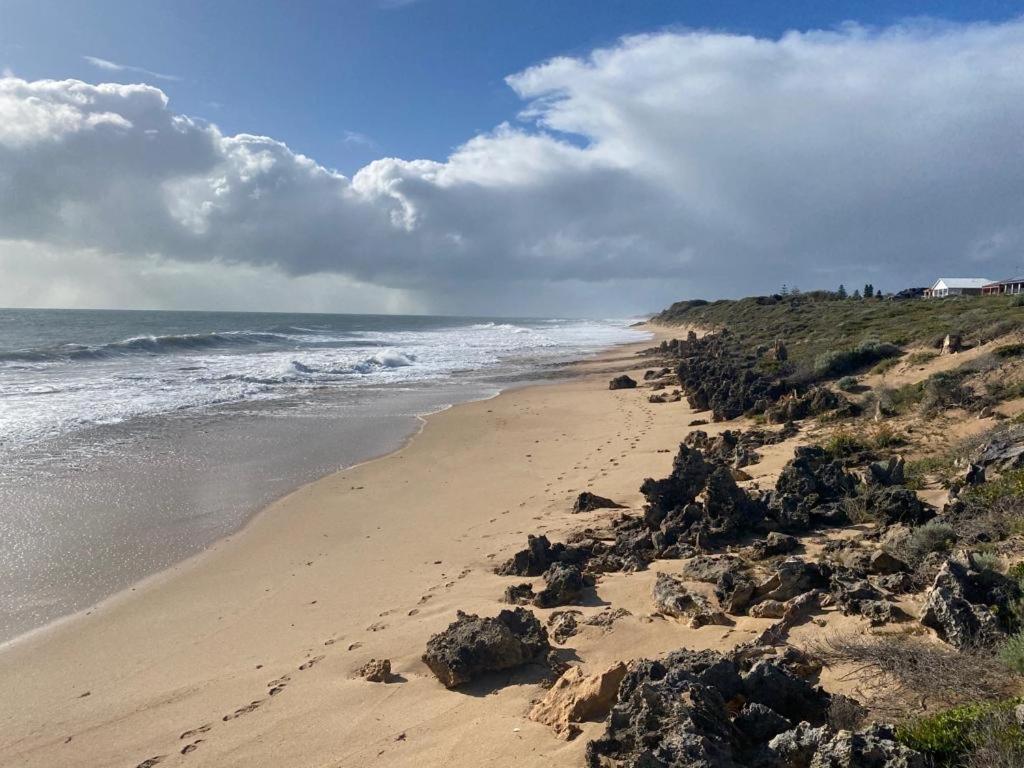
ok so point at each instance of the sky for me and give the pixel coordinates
(484, 157)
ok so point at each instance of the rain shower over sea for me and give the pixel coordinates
(130, 440)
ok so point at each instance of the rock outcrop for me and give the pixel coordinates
(577, 697)
(588, 502)
(472, 646)
(622, 382)
(959, 604)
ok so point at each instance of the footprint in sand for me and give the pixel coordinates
(252, 706)
(151, 762)
(196, 731)
(191, 747)
(308, 664)
(354, 646)
(377, 626)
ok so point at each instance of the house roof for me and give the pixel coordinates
(1008, 280)
(962, 282)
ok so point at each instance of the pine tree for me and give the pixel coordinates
(841, 293)
(869, 290)
(856, 294)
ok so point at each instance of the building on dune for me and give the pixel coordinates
(1011, 285)
(957, 286)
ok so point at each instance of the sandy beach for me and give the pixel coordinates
(247, 654)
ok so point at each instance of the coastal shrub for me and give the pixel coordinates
(950, 736)
(843, 443)
(1009, 485)
(903, 399)
(847, 383)
(928, 538)
(839, 362)
(886, 436)
(1009, 351)
(899, 670)
(997, 329)
(1017, 301)
(945, 389)
(988, 561)
(1012, 653)
(917, 471)
(996, 742)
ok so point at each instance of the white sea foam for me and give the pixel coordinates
(48, 391)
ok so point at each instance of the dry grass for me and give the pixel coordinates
(898, 674)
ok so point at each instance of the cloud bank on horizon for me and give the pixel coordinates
(669, 165)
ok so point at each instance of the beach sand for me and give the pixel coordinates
(247, 654)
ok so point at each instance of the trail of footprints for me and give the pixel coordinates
(195, 737)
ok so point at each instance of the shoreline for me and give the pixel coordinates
(27, 648)
(389, 445)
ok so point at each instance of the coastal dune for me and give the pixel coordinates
(249, 653)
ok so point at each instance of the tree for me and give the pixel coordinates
(784, 291)
(856, 294)
(841, 293)
(869, 290)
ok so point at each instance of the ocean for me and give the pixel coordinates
(130, 440)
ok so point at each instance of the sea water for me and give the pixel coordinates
(130, 440)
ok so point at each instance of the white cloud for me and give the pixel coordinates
(113, 66)
(668, 165)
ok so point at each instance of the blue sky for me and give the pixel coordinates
(351, 80)
(518, 157)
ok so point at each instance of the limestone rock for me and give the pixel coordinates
(472, 646)
(376, 671)
(622, 382)
(576, 697)
(588, 502)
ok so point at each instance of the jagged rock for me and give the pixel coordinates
(519, 594)
(758, 723)
(672, 598)
(896, 504)
(607, 617)
(1004, 452)
(734, 592)
(648, 375)
(768, 609)
(773, 544)
(538, 557)
(958, 605)
(689, 475)
(588, 502)
(376, 671)
(809, 490)
(564, 586)
(709, 568)
(472, 646)
(673, 712)
(667, 397)
(622, 382)
(883, 563)
(792, 577)
(890, 472)
(897, 583)
(814, 402)
(576, 697)
(563, 625)
(808, 747)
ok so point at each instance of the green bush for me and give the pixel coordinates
(928, 538)
(949, 736)
(1012, 653)
(847, 383)
(843, 443)
(945, 390)
(839, 362)
(1007, 485)
(1009, 351)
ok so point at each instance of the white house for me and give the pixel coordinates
(957, 286)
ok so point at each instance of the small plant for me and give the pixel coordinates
(928, 538)
(949, 736)
(1009, 351)
(885, 365)
(847, 383)
(885, 436)
(1012, 653)
(843, 443)
(988, 561)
